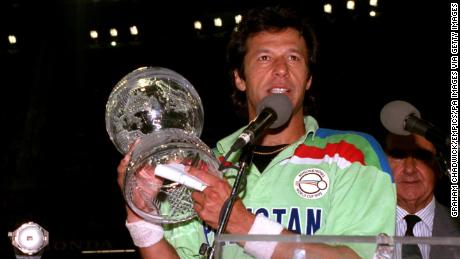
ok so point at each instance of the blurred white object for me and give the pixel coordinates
(30, 238)
(176, 173)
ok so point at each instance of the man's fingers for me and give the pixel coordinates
(125, 161)
(198, 197)
(131, 147)
(121, 169)
(123, 164)
(197, 207)
(205, 176)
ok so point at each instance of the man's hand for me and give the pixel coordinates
(209, 202)
(147, 186)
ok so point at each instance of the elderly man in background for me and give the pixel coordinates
(412, 159)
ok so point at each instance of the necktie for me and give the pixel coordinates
(410, 251)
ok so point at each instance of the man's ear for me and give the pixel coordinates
(239, 82)
(309, 83)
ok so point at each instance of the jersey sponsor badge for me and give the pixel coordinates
(311, 183)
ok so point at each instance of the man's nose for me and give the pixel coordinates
(280, 67)
(410, 165)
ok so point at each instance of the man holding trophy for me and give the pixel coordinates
(302, 180)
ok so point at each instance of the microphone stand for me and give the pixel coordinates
(244, 162)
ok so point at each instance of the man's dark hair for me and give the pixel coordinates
(268, 19)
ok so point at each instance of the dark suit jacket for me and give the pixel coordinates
(445, 226)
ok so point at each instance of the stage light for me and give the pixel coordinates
(133, 30)
(93, 34)
(373, 3)
(350, 5)
(327, 8)
(372, 14)
(29, 240)
(113, 43)
(197, 25)
(238, 18)
(218, 22)
(12, 39)
(113, 32)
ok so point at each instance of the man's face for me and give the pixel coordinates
(412, 159)
(275, 62)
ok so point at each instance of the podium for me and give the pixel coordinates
(385, 246)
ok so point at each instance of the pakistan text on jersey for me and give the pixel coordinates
(295, 223)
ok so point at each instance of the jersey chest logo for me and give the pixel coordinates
(311, 183)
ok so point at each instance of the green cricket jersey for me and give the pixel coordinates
(327, 183)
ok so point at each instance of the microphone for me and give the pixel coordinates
(272, 112)
(401, 118)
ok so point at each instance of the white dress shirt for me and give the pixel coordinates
(423, 228)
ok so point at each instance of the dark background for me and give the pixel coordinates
(58, 166)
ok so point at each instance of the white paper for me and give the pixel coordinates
(175, 172)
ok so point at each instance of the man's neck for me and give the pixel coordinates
(287, 135)
(414, 206)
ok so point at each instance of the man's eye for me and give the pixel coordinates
(294, 58)
(264, 58)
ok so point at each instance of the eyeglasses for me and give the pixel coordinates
(419, 154)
